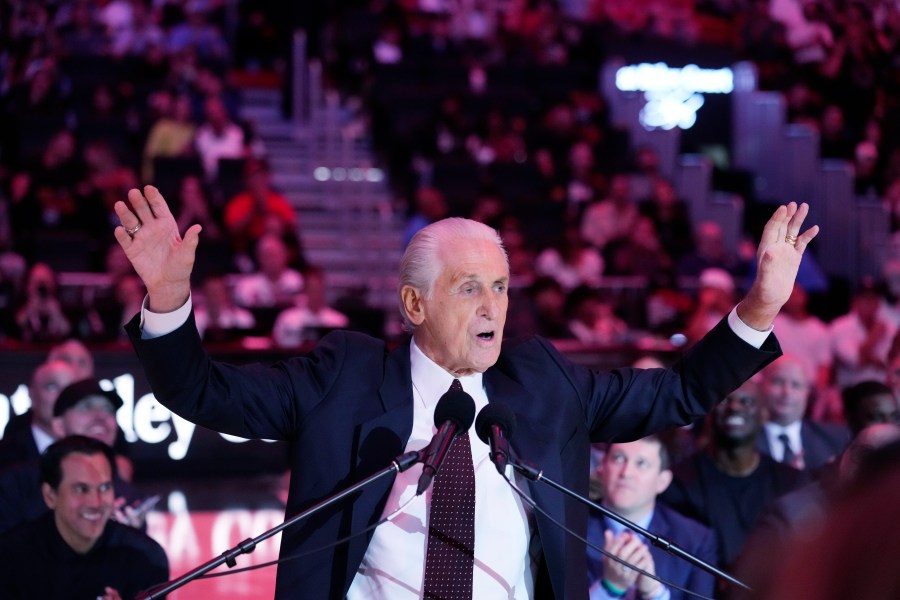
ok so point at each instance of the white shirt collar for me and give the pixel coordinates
(42, 439)
(774, 431)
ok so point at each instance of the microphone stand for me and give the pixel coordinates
(398, 465)
(535, 474)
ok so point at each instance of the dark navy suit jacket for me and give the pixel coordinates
(18, 445)
(689, 535)
(822, 443)
(347, 410)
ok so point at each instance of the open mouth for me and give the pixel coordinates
(486, 335)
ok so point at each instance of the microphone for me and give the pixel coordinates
(453, 416)
(495, 425)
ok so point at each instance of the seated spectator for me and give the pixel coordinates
(640, 254)
(75, 550)
(715, 298)
(276, 284)
(667, 307)
(893, 371)
(572, 262)
(104, 317)
(29, 434)
(710, 252)
(129, 294)
(247, 214)
(548, 300)
(805, 336)
(218, 318)
(82, 33)
(13, 267)
(645, 172)
(835, 137)
(197, 34)
(429, 207)
(593, 318)
(171, 136)
(215, 254)
(194, 207)
(869, 403)
(670, 218)
(60, 164)
(310, 317)
(611, 219)
(632, 475)
(76, 355)
(861, 339)
(139, 36)
(789, 437)
(40, 317)
(728, 485)
(82, 408)
(218, 137)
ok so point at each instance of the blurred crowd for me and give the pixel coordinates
(484, 109)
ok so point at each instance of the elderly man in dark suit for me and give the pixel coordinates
(353, 404)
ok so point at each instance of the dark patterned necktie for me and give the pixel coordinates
(450, 557)
(789, 457)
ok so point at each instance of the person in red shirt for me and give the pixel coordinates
(247, 215)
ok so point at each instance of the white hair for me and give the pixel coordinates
(421, 263)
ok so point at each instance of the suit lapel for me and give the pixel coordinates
(533, 442)
(815, 452)
(379, 441)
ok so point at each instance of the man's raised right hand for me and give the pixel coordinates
(160, 256)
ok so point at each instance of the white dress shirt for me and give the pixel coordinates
(776, 446)
(42, 439)
(393, 566)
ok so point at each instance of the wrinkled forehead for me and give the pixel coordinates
(472, 257)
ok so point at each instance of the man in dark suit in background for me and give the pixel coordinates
(351, 405)
(787, 436)
(28, 434)
(632, 475)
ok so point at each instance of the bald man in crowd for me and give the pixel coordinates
(788, 436)
(28, 434)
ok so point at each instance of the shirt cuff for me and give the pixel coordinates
(665, 594)
(754, 337)
(154, 325)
